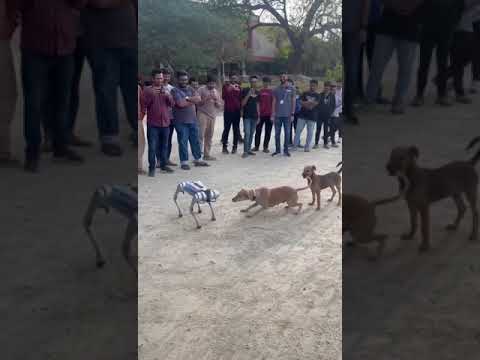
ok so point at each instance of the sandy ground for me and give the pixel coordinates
(268, 287)
(54, 304)
(411, 306)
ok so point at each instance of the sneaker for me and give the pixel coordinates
(69, 156)
(276, 153)
(234, 150)
(113, 150)
(315, 146)
(185, 167)
(79, 142)
(255, 149)
(325, 146)
(251, 153)
(170, 163)
(287, 154)
(209, 158)
(418, 101)
(334, 145)
(200, 163)
(462, 99)
(166, 170)
(266, 151)
(225, 150)
(244, 155)
(443, 101)
(151, 173)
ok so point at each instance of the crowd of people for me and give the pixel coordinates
(57, 38)
(190, 109)
(385, 27)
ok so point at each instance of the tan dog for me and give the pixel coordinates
(332, 180)
(267, 198)
(431, 185)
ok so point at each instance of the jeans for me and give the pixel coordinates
(188, 133)
(111, 69)
(301, 123)
(384, 48)
(264, 120)
(46, 84)
(328, 131)
(157, 146)
(351, 51)
(279, 122)
(249, 126)
(231, 119)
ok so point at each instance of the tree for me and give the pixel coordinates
(308, 19)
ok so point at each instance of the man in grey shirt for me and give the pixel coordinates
(111, 45)
(283, 111)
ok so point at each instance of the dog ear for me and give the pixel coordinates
(413, 150)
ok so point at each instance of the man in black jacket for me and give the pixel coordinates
(325, 108)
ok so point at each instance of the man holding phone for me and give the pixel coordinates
(283, 112)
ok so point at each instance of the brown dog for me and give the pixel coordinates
(427, 186)
(359, 219)
(267, 198)
(332, 180)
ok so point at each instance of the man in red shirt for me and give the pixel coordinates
(266, 101)
(157, 102)
(231, 95)
(48, 40)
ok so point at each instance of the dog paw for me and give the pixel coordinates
(214, 219)
(451, 227)
(423, 248)
(180, 215)
(199, 226)
(406, 237)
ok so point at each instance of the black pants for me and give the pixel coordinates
(476, 55)
(328, 131)
(231, 119)
(441, 42)
(264, 120)
(461, 54)
(293, 126)
(46, 84)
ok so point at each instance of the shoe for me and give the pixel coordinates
(325, 146)
(266, 151)
(462, 99)
(69, 156)
(255, 149)
(418, 101)
(151, 173)
(185, 167)
(225, 150)
(113, 150)
(315, 146)
(32, 165)
(209, 158)
(166, 170)
(78, 142)
(443, 101)
(287, 154)
(244, 155)
(170, 163)
(307, 150)
(334, 145)
(234, 150)
(251, 153)
(276, 153)
(200, 163)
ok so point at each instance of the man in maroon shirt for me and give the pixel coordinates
(266, 101)
(157, 102)
(48, 40)
(231, 95)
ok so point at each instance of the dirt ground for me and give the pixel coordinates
(54, 303)
(267, 287)
(411, 306)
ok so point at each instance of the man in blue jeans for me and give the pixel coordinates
(283, 112)
(307, 116)
(185, 121)
(251, 114)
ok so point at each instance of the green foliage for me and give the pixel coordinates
(335, 74)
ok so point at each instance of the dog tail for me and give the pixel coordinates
(341, 167)
(386, 200)
(309, 181)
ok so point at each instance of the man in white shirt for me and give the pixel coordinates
(337, 114)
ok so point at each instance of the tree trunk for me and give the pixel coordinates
(295, 61)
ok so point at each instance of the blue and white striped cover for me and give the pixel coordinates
(199, 191)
